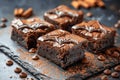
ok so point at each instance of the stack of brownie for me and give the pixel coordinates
(54, 42)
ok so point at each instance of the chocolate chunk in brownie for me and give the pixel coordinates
(26, 31)
(63, 17)
(99, 36)
(61, 47)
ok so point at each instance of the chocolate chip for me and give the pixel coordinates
(10, 76)
(89, 14)
(104, 77)
(118, 22)
(9, 63)
(18, 70)
(108, 52)
(23, 75)
(116, 54)
(101, 58)
(2, 25)
(107, 72)
(35, 57)
(31, 79)
(116, 25)
(32, 50)
(115, 74)
(117, 68)
(3, 19)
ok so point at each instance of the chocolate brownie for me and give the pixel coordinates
(26, 31)
(99, 36)
(63, 17)
(61, 47)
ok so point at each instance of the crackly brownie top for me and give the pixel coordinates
(63, 11)
(60, 37)
(32, 24)
(63, 40)
(93, 29)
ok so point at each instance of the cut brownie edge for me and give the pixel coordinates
(26, 31)
(63, 17)
(99, 36)
(61, 47)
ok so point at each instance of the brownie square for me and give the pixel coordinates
(61, 47)
(26, 31)
(63, 17)
(99, 36)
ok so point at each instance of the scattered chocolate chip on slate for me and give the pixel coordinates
(32, 50)
(89, 14)
(115, 74)
(101, 58)
(18, 70)
(116, 25)
(23, 75)
(2, 25)
(3, 20)
(9, 63)
(35, 57)
(117, 68)
(118, 22)
(107, 72)
(104, 77)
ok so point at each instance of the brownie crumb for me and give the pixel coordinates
(18, 70)
(9, 63)
(23, 75)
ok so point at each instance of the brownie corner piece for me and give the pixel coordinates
(26, 31)
(99, 36)
(63, 17)
(61, 47)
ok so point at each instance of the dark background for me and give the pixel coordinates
(108, 16)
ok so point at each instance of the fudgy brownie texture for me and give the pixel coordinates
(61, 47)
(63, 17)
(26, 31)
(100, 36)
